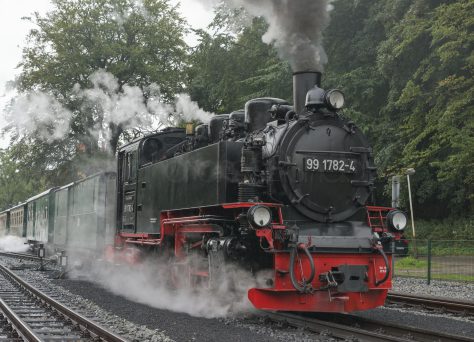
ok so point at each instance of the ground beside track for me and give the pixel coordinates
(141, 323)
(422, 320)
(437, 288)
(183, 327)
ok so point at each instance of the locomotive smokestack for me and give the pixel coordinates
(303, 81)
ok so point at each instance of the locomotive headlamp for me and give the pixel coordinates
(397, 219)
(259, 216)
(335, 99)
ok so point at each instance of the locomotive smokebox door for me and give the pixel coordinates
(328, 170)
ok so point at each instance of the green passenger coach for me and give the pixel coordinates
(17, 221)
(4, 218)
(91, 213)
(40, 224)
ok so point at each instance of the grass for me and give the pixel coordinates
(448, 277)
(418, 268)
(457, 277)
(410, 262)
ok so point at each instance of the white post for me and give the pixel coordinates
(396, 191)
(411, 172)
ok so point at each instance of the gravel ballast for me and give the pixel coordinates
(183, 327)
(437, 288)
(454, 324)
(43, 282)
(140, 322)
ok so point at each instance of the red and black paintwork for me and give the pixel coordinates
(188, 200)
(377, 220)
(281, 296)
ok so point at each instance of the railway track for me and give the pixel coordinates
(30, 315)
(23, 256)
(354, 328)
(438, 304)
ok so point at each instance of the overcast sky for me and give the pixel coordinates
(13, 31)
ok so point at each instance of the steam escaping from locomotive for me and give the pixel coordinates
(13, 244)
(295, 28)
(145, 283)
(130, 107)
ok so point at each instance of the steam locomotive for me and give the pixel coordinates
(273, 187)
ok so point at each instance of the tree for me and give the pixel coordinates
(234, 65)
(435, 89)
(19, 179)
(140, 43)
(406, 68)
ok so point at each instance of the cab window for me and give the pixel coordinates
(151, 151)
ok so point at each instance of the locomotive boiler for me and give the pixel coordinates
(272, 187)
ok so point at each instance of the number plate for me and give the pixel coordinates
(322, 164)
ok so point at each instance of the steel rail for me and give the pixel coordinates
(17, 323)
(401, 331)
(82, 321)
(24, 256)
(433, 303)
(351, 327)
(330, 329)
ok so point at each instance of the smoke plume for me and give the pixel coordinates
(295, 28)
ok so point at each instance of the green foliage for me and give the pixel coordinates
(406, 67)
(435, 92)
(19, 179)
(227, 69)
(410, 263)
(140, 43)
(452, 228)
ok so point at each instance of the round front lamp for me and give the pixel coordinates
(397, 220)
(335, 99)
(259, 216)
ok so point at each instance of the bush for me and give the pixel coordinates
(447, 229)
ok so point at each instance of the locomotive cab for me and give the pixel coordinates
(132, 158)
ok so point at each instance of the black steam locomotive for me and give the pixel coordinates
(272, 187)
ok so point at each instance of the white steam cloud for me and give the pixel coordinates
(149, 283)
(40, 113)
(295, 28)
(13, 244)
(128, 106)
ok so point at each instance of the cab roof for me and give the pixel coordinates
(163, 131)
